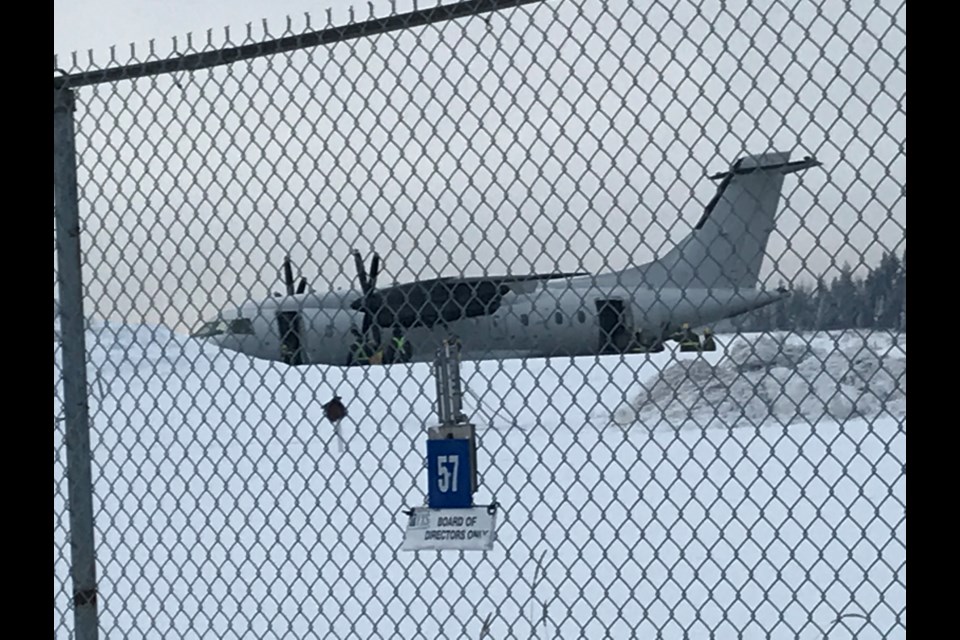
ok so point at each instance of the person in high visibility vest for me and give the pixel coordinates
(643, 344)
(360, 351)
(709, 343)
(688, 339)
(399, 348)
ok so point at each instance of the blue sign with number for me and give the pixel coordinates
(448, 474)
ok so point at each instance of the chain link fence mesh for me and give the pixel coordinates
(753, 491)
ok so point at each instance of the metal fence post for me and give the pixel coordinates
(76, 416)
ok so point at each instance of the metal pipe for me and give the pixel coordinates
(73, 350)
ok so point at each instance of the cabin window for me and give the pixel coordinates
(582, 317)
(524, 319)
(559, 317)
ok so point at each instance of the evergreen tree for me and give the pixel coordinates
(792, 312)
(902, 292)
(826, 309)
(782, 319)
(869, 294)
(763, 320)
(845, 298)
(802, 309)
(893, 300)
(876, 301)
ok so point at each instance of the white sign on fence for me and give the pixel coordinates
(472, 529)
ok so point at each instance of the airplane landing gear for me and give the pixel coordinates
(643, 344)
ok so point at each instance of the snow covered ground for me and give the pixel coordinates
(755, 492)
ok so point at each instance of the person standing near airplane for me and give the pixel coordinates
(399, 348)
(360, 351)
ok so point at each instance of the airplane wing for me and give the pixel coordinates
(508, 280)
(445, 299)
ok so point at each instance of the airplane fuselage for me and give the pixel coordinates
(573, 320)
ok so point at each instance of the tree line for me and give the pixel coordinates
(877, 300)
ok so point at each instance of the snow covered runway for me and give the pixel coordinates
(755, 492)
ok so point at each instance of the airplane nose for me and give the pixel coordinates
(207, 330)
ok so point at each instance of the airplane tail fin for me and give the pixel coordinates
(728, 244)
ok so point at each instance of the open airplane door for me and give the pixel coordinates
(615, 325)
(292, 346)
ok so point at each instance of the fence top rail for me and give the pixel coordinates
(220, 57)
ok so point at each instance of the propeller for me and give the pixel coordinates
(370, 302)
(289, 321)
(288, 279)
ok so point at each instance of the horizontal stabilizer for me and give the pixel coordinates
(749, 165)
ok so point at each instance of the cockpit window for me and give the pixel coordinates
(210, 329)
(238, 326)
(241, 326)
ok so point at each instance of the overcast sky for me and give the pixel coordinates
(567, 135)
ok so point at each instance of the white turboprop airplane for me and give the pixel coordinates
(709, 276)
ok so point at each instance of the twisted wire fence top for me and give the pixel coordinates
(752, 491)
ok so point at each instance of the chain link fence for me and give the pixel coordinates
(563, 164)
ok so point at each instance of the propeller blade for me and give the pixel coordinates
(302, 286)
(374, 270)
(288, 275)
(367, 321)
(364, 284)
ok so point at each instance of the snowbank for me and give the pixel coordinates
(780, 377)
